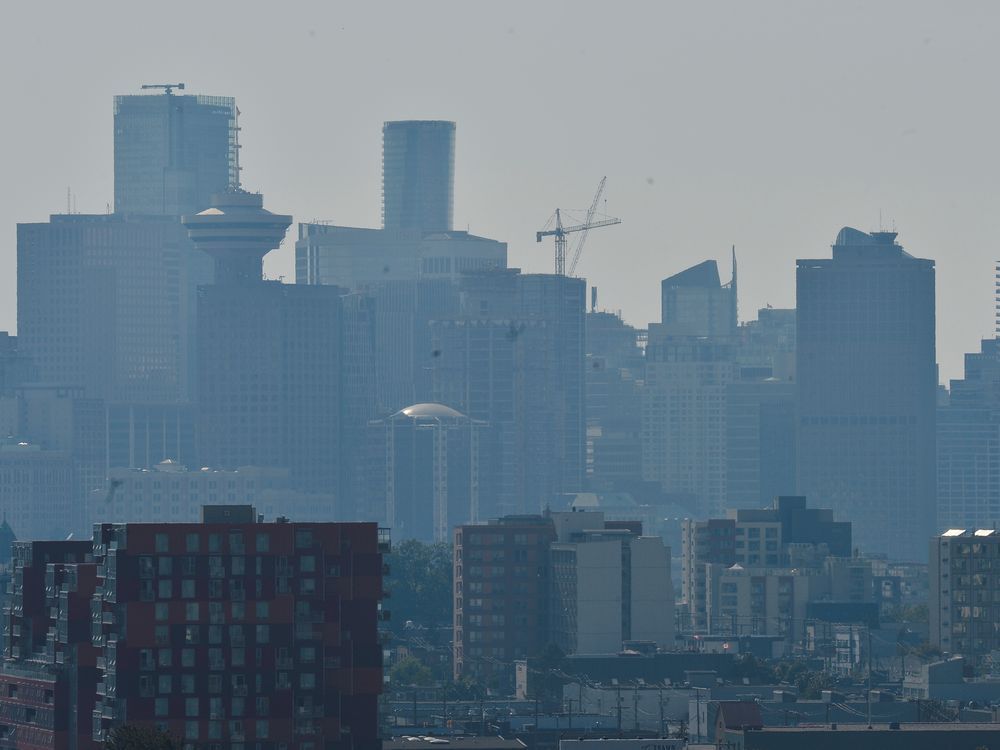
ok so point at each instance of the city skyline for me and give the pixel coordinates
(687, 186)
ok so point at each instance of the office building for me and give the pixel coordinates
(16, 368)
(107, 303)
(268, 353)
(173, 152)
(963, 589)
(610, 584)
(684, 419)
(40, 493)
(968, 444)
(695, 302)
(418, 175)
(760, 441)
(140, 436)
(430, 472)
(514, 357)
(867, 379)
(501, 590)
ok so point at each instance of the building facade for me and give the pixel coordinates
(418, 175)
(867, 379)
(233, 631)
(173, 152)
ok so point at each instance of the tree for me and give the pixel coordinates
(410, 671)
(420, 584)
(136, 737)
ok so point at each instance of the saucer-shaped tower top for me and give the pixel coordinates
(237, 232)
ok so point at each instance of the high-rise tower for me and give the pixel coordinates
(867, 390)
(172, 153)
(418, 175)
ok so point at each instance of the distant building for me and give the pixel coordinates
(15, 367)
(786, 535)
(609, 585)
(40, 491)
(140, 436)
(268, 353)
(968, 444)
(108, 303)
(170, 492)
(962, 591)
(514, 357)
(867, 382)
(684, 418)
(501, 595)
(760, 441)
(694, 302)
(418, 175)
(430, 470)
(173, 152)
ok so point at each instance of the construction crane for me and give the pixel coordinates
(168, 88)
(554, 228)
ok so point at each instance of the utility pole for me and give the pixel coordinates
(635, 708)
(869, 676)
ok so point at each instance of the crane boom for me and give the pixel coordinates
(168, 88)
(559, 232)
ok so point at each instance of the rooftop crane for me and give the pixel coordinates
(168, 88)
(554, 228)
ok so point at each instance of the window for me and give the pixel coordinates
(160, 706)
(263, 610)
(162, 612)
(303, 538)
(162, 635)
(165, 588)
(187, 658)
(215, 660)
(147, 688)
(190, 707)
(239, 657)
(307, 564)
(307, 586)
(187, 588)
(190, 730)
(192, 634)
(163, 684)
(187, 683)
(238, 565)
(189, 565)
(193, 543)
(237, 706)
(214, 542)
(165, 657)
(263, 633)
(236, 542)
(307, 654)
(238, 610)
(166, 565)
(307, 680)
(262, 729)
(215, 683)
(215, 634)
(191, 611)
(214, 588)
(263, 542)
(162, 545)
(146, 568)
(215, 709)
(146, 661)
(263, 705)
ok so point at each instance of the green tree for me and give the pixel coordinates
(135, 737)
(410, 671)
(420, 584)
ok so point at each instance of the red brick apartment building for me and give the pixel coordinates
(231, 634)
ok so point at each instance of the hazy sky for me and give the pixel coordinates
(761, 124)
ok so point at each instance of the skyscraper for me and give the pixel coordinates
(268, 353)
(418, 175)
(695, 302)
(968, 445)
(867, 390)
(172, 153)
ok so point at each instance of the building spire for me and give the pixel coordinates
(736, 298)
